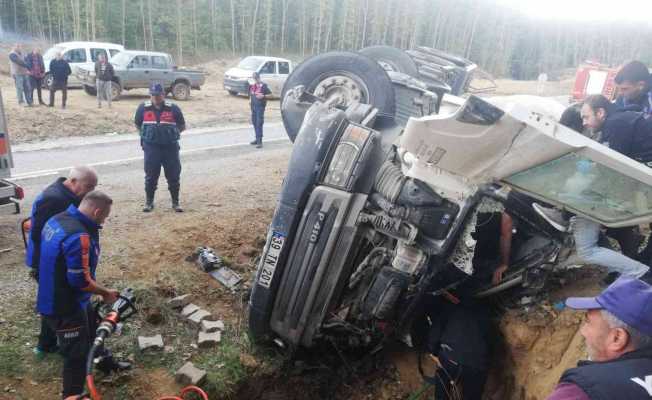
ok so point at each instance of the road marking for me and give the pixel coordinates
(55, 171)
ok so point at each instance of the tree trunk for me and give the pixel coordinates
(254, 21)
(284, 4)
(47, 10)
(142, 16)
(15, 18)
(365, 16)
(268, 26)
(194, 26)
(233, 28)
(179, 32)
(124, 21)
(213, 26)
(150, 25)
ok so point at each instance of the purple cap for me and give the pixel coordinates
(630, 300)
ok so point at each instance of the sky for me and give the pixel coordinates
(585, 10)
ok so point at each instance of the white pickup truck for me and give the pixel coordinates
(10, 193)
(273, 71)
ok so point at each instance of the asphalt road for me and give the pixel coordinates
(54, 157)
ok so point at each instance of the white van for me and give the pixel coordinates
(273, 71)
(78, 54)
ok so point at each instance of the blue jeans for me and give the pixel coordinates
(23, 89)
(586, 234)
(258, 119)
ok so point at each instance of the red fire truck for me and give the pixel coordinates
(594, 78)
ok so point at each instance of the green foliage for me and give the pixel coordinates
(495, 36)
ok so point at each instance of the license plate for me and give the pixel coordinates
(271, 259)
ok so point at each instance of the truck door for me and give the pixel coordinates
(161, 71)
(269, 76)
(140, 72)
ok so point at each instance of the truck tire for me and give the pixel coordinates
(90, 90)
(392, 59)
(181, 91)
(116, 91)
(350, 76)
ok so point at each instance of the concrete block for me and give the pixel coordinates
(150, 342)
(190, 375)
(207, 339)
(179, 301)
(212, 326)
(198, 316)
(189, 309)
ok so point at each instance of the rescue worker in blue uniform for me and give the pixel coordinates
(54, 199)
(634, 88)
(160, 123)
(70, 251)
(258, 92)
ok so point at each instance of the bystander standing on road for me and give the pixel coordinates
(258, 92)
(160, 123)
(618, 335)
(34, 61)
(20, 72)
(104, 76)
(60, 70)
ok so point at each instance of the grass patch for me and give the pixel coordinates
(223, 367)
(12, 360)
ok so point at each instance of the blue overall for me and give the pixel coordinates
(258, 108)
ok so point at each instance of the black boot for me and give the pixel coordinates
(174, 194)
(149, 203)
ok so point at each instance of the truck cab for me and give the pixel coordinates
(10, 193)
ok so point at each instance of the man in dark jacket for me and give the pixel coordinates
(55, 199)
(634, 88)
(103, 77)
(34, 61)
(618, 335)
(20, 73)
(160, 123)
(258, 93)
(60, 70)
(70, 252)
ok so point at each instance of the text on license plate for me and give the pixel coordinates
(271, 259)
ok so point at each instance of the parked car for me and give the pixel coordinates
(385, 184)
(273, 71)
(136, 69)
(10, 193)
(78, 54)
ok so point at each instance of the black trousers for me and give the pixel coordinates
(258, 119)
(454, 378)
(166, 156)
(47, 338)
(36, 85)
(75, 333)
(64, 90)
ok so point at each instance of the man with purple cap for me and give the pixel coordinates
(618, 335)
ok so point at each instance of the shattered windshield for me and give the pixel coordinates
(587, 187)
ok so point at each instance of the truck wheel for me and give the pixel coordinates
(90, 90)
(392, 59)
(343, 78)
(233, 93)
(116, 90)
(181, 91)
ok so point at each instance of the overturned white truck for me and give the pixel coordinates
(384, 186)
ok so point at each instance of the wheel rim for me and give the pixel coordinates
(342, 89)
(180, 91)
(115, 91)
(49, 80)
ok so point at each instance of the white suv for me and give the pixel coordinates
(78, 54)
